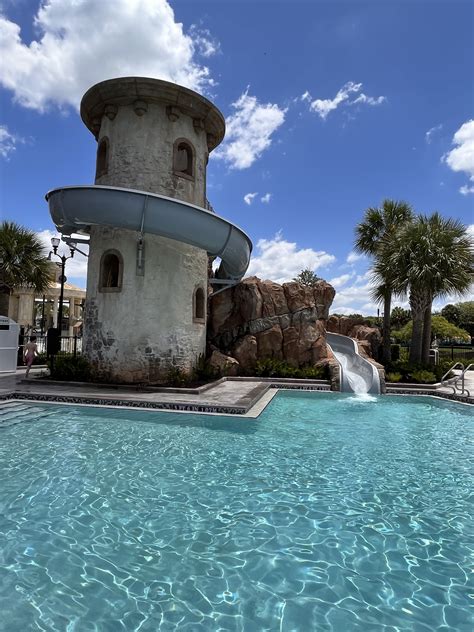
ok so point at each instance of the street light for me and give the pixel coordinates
(72, 246)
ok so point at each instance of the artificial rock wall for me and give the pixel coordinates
(258, 319)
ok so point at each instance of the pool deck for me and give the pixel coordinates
(230, 396)
(227, 396)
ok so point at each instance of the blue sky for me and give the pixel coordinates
(330, 106)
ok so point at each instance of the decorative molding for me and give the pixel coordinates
(111, 111)
(173, 113)
(140, 107)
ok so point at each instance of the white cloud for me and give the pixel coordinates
(248, 131)
(339, 281)
(76, 267)
(266, 198)
(363, 98)
(323, 107)
(430, 133)
(82, 43)
(8, 142)
(281, 261)
(461, 158)
(203, 41)
(249, 197)
(352, 257)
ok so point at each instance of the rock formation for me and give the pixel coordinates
(256, 320)
(369, 339)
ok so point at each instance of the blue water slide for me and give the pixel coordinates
(74, 209)
(358, 375)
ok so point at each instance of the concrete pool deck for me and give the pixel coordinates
(228, 396)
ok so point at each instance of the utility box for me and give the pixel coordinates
(434, 357)
(9, 331)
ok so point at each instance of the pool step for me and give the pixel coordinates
(14, 412)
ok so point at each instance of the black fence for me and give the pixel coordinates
(69, 345)
(456, 353)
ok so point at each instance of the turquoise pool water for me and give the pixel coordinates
(325, 513)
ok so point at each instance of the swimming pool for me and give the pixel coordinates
(325, 513)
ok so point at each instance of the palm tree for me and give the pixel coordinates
(376, 229)
(433, 257)
(23, 262)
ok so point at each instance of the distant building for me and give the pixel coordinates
(39, 312)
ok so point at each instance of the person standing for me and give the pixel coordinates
(30, 352)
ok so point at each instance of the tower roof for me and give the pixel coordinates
(127, 90)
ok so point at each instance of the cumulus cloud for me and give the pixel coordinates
(205, 44)
(461, 158)
(249, 131)
(352, 257)
(266, 198)
(432, 131)
(249, 197)
(8, 142)
(76, 268)
(281, 260)
(323, 107)
(82, 43)
(338, 282)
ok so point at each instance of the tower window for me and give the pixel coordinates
(102, 158)
(111, 270)
(199, 305)
(183, 158)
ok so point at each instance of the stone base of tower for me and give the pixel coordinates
(141, 322)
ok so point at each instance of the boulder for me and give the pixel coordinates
(258, 319)
(224, 364)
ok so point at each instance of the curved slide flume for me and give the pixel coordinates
(74, 209)
(358, 375)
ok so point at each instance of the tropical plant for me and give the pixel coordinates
(307, 277)
(23, 262)
(431, 257)
(376, 230)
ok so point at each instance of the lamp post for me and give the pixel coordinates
(72, 246)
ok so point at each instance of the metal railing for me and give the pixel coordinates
(453, 382)
(70, 345)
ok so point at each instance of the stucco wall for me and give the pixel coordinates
(138, 333)
(141, 153)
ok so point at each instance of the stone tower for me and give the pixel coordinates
(147, 294)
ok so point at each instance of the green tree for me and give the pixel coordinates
(23, 262)
(377, 228)
(432, 257)
(399, 317)
(452, 313)
(307, 277)
(441, 328)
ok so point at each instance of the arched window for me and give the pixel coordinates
(199, 305)
(111, 271)
(102, 158)
(183, 158)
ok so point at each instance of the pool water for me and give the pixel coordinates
(328, 512)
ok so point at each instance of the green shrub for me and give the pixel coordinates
(393, 377)
(270, 367)
(177, 377)
(70, 368)
(203, 371)
(423, 377)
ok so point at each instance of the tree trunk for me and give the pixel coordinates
(386, 349)
(418, 305)
(425, 350)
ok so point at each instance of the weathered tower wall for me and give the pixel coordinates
(141, 315)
